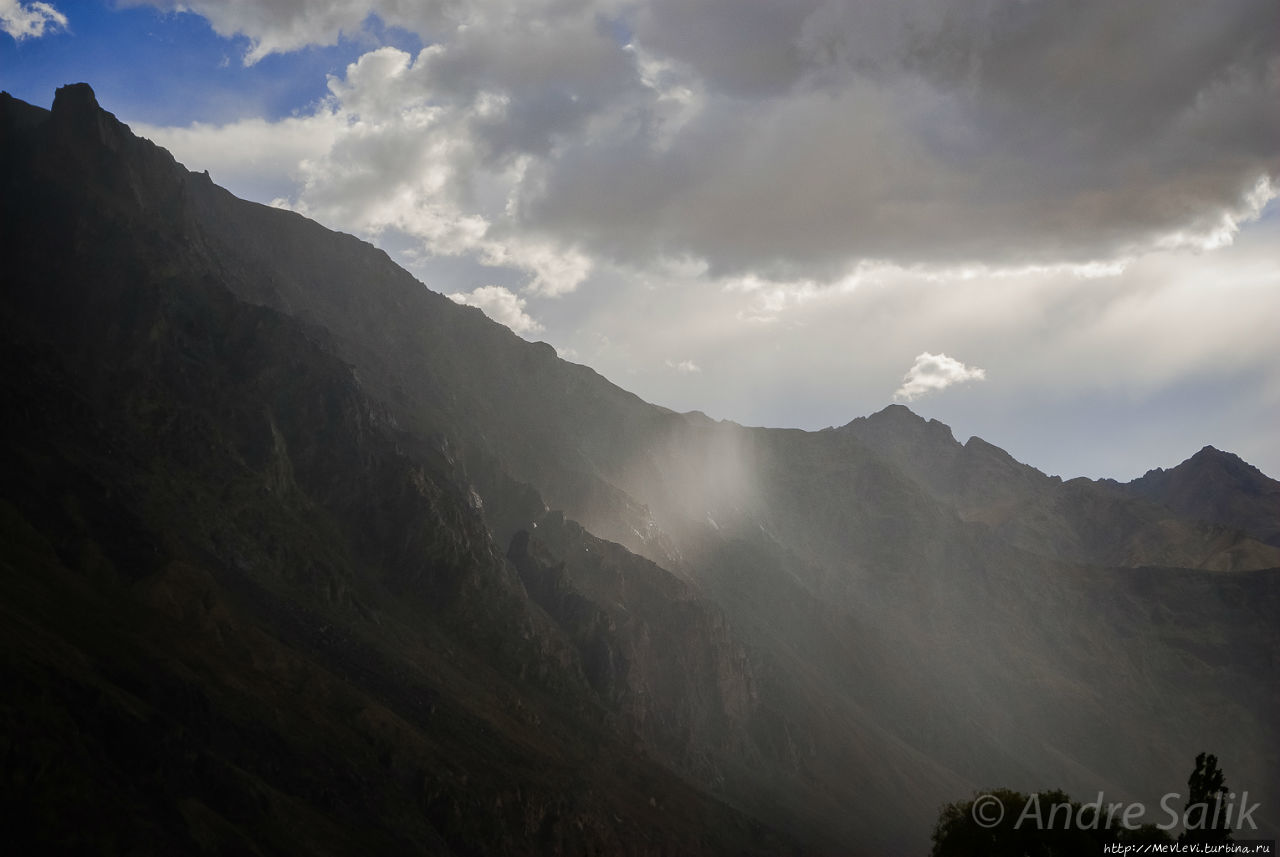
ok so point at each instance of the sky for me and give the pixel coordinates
(1049, 224)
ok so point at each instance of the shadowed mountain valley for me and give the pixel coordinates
(300, 556)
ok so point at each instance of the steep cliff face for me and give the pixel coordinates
(301, 556)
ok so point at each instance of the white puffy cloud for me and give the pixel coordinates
(933, 372)
(29, 20)
(410, 156)
(501, 305)
(1090, 371)
(684, 367)
(281, 26)
(252, 158)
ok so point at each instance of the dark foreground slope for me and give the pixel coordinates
(242, 612)
(301, 555)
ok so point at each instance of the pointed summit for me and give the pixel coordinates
(1219, 487)
(1212, 456)
(78, 119)
(897, 412)
(1211, 464)
(896, 425)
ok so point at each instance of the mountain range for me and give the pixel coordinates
(300, 556)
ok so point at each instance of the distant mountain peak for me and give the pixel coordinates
(897, 412)
(901, 421)
(1210, 463)
(1217, 486)
(1212, 457)
(1212, 453)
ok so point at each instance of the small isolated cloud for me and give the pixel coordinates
(501, 305)
(684, 367)
(29, 20)
(935, 372)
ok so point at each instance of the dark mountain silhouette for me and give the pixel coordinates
(1220, 488)
(300, 556)
(1096, 522)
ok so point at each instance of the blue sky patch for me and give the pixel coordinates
(171, 68)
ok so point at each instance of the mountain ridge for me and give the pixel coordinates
(827, 589)
(1218, 487)
(1076, 519)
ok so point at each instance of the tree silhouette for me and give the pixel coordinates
(1206, 814)
(1006, 823)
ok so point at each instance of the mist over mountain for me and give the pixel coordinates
(303, 557)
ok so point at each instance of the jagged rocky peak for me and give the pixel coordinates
(903, 434)
(898, 428)
(902, 417)
(1211, 456)
(1220, 487)
(896, 414)
(1210, 463)
(75, 97)
(77, 114)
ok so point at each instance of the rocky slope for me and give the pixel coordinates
(1081, 520)
(301, 556)
(244, 612)
(1219, 488)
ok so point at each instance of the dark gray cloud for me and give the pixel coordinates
(794, 139)
(998, 133)
(748, 50)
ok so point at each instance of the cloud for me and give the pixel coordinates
(1178, 345)
(273, 26)
(252, 158)
(684, 367)
(789, 141)
(501, 305)
(1038, 186)
(412, 156)
(29, 20)
(933, 372)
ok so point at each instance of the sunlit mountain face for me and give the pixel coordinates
(644, 428)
